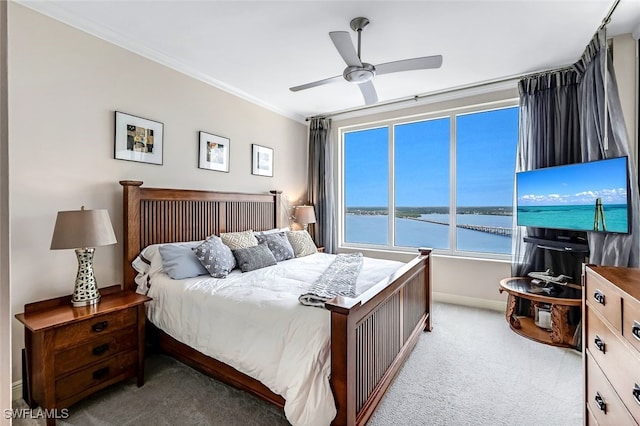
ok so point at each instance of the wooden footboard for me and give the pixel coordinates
(373, 334)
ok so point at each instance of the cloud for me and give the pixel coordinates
(608, 196)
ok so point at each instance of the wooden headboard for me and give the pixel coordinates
(157, 215)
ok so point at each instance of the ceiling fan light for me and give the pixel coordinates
(359, 74)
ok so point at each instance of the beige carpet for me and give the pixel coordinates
(471, 370)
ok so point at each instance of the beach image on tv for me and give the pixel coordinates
(584, 197)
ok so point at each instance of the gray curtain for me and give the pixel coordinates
(320, 186)
(562, 122)
(593, 68)
(549, 135)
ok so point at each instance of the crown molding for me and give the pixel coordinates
(110, 35)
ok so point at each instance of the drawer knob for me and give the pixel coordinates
(101, 373)
(635, 330)
(100, 326)
(636, 392)
(99, 350)
(599, 297)
(601, 403)
(599, 343)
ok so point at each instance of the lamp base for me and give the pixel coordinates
(86, 290)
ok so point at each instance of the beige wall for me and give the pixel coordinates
(5, 311)
(64, 87)
(624, 63)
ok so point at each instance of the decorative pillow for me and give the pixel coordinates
(216, 257)
(302, 243)
(279, 245)
(256, 257)
(238, 240)
(180, 262)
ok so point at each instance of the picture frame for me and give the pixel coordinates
(261, 160)
(138, 139)
(213, 152)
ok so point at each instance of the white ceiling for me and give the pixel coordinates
(259, 49)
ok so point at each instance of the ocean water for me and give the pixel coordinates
(372, 229)
(573, 217)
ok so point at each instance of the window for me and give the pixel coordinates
(444, 182)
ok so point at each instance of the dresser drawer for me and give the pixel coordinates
(631, 322)
(81, 331)
(618, 362)
(602, 400)
(97, 375)
(97, 349)
(602, 297)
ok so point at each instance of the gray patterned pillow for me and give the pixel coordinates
(279, 245)
(302, 243)
(216, 257)
(237, 240)
(256, 257)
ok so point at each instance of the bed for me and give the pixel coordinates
(370, 335)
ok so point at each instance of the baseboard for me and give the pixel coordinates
(16, 390)
(454, 299)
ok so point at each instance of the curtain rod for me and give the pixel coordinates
(607, 18)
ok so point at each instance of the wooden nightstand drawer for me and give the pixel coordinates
(81, 331)
(602, 297)
(96, 376)
(603, 401)
(98, 349)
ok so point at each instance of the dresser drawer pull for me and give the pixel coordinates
(601, 403)
(100, 326)
(599, 343)
(99, 374)
(636, 392)
(599, 296)
(99, 350)
(636, 330)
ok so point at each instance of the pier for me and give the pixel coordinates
(496, 230)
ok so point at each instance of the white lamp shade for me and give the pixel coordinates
(305, 215)
(81, 229)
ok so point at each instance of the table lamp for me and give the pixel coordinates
(304, 215)
(83, 230)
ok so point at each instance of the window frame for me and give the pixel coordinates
(451, 114)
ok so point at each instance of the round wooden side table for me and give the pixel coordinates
(561, 333)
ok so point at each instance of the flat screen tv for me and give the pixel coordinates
(591, 196)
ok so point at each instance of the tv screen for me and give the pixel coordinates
(589, 196)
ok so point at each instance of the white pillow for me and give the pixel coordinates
(272, 231)
(149, 262)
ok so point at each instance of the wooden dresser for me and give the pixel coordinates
(74, 352)
(611, 336)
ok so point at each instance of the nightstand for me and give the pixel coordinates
(320, 249)
(74, 352)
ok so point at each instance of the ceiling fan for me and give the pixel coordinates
(362, 73)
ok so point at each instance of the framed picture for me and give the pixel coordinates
(213, 153)
(261, 160)
(138, 139)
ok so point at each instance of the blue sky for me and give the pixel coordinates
(485, 161)
(575, 184)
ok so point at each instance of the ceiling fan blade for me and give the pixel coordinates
(426, 62)
(316, 83)
(342, 41)
(368, 92)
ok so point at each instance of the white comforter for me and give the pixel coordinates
(254, 322)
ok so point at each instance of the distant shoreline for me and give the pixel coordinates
(415, 212)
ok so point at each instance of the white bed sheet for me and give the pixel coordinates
(254, 322)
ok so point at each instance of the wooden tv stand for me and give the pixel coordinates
(561, 333)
